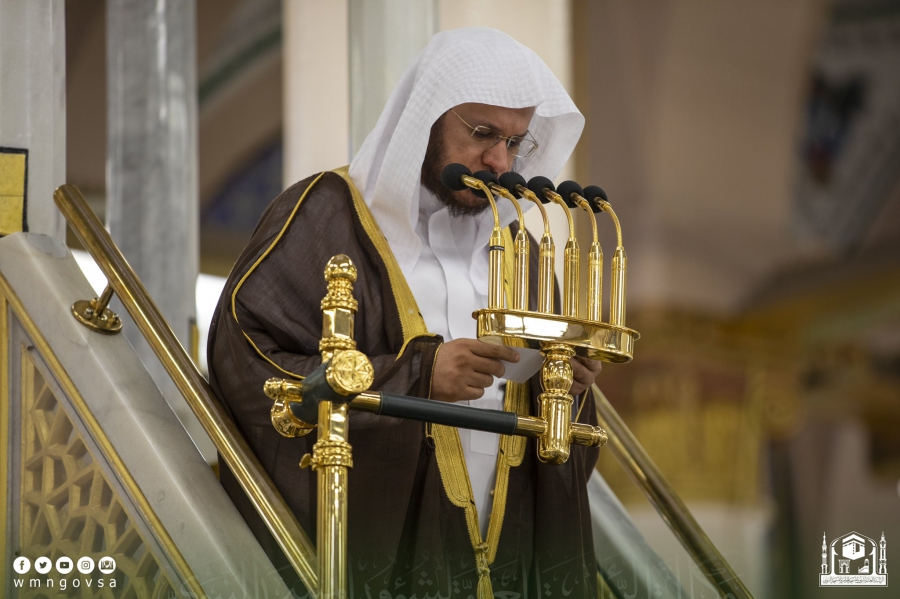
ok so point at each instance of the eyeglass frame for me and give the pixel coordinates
(508, 140)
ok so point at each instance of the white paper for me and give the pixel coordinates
(529, 363)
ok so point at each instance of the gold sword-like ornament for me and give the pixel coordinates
(349, 372)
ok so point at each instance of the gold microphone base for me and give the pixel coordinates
(590, 339)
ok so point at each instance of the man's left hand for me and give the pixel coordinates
(584, 372)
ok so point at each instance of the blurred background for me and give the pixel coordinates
(752, 152)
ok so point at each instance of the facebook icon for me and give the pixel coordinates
(22, 565)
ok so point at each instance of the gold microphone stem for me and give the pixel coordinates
(604, 205)
(619, 269)
(595, 283)
(617, 292)
(520, 280)
(595, 266)
(495, 271)
(495, 264)
(547, 256)
(572, 258)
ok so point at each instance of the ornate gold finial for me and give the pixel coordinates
(340, 275)
(350, 372)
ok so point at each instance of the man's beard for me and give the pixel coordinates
(432, 167)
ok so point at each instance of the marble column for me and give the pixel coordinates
(152, 205)
(385, 37)
(32, 115)
(316, 91)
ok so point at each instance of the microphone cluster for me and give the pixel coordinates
(569, 196)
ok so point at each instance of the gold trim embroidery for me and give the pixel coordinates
(411, 320)
(259, 260)
(452, 463)
(433, 364)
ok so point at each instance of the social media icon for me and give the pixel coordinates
(64, 565)
(22, 565)
(43, 565)
(85, 565)
(107, 565)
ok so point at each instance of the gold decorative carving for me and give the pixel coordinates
(340, 274)
(350, 372)
(68, 508)
(331, 453)
(286, 423)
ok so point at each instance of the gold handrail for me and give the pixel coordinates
(632, 457)
(209, 411)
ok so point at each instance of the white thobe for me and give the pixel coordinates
(442, 285)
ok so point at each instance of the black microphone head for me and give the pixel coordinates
(510, 180)
(566, 189)
(485, 177)
(452, 176)
(538, 184)
(592, 192)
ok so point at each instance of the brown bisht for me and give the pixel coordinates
(413, 528)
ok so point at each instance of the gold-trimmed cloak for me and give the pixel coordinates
(412, 522)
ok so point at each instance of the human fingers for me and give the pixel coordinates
(581, 373)
(477, 379)
(497, 352)
(471, 392)
(487, 366)
(594, 366)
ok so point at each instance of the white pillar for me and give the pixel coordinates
(316, 87)
(32, 113)
(152, 206)
(385, 37)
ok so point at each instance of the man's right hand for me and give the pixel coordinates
(464, 368)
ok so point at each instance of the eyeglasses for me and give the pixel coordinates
(517, 145)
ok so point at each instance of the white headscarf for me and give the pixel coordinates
(464, 65)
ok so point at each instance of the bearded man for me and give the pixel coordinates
(432, 510)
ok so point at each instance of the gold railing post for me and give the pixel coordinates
(332, 457)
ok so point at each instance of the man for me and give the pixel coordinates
(432, 510)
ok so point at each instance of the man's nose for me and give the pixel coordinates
(497, 158)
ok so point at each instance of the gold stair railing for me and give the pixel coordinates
(635, 461)
(229, 442)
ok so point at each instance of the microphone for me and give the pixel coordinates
(592, 192)
(452, 177)
(511, 181)
(538, 184)
(486, 177)
(517, 185)
(573, 195)
(457, 177)
(598, 197)
(544, 188)
(567, 188)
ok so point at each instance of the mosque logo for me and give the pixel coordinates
(854, 560)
